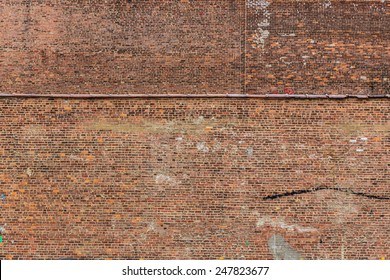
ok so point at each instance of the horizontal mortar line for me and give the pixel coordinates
(282, 96)
(346, 190)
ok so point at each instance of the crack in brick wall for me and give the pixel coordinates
(186, 178)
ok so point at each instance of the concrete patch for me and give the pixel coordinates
(281, 250)
(279, 222)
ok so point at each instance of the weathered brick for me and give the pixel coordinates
(194, 178)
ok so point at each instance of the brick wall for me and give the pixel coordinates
(321, 47)
(67, 46)
(195, 47)
(189, 178)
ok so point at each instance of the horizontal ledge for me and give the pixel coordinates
(283, 96)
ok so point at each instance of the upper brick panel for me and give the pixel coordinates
(193, 47)
(121, 46)
(318, 47)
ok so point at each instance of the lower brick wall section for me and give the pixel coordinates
(194, 179)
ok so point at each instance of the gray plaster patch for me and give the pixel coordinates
(281, 250)
(29, 172)
(281, 223)
(202, 147)
(154, 227)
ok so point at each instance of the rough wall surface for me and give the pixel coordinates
(120, 46)
(321, 47)
(194, 178)
(195, 47)
(232, 178)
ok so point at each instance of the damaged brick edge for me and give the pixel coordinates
(297, 192)
(130, 95)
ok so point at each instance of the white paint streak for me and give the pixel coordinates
(201, 146)
(260, 36)
(164, 179)
(328, 4)
(261, 33)
(217, 146)
(288, 35)
(153, 227)
(199, 120)
(258, 4)
(281, 223)
(283, 59)
(29, 172)
(76, 157)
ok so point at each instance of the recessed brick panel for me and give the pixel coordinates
(318, 47)
(138, 47)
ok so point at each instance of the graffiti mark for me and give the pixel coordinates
(288, 91)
